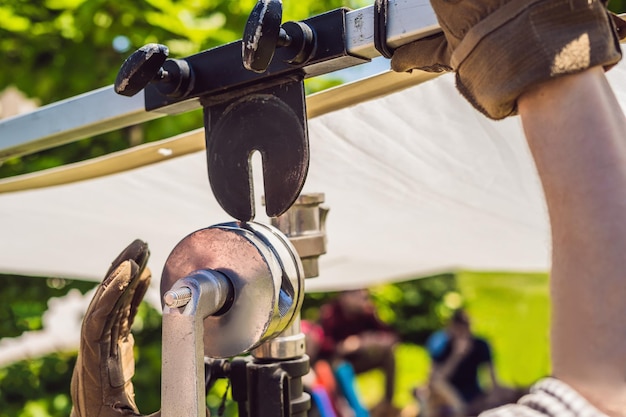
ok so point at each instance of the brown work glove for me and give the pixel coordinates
(101, 383)
(501, 48)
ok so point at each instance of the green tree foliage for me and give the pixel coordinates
(40, 386)
(413, 308)
(417, 308)
(66, 47)
(617, 6)
(511, 310)
(28, 301)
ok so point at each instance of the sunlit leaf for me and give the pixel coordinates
(63, 4)
(12, 22)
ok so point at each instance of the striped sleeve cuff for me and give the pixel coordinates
(549, 397)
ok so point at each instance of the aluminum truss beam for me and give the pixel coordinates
(88, 114)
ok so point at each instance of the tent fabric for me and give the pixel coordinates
(188, 142)
(417, 183)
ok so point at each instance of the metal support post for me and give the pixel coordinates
(305, 226)
(187, 304)
(269, 383)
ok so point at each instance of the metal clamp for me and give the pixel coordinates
(305, 225)
(381, 16)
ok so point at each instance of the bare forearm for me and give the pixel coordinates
(577, 135)
(492, 374)
(447, 368)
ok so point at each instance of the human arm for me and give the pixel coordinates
(495, 385)
(574, 129)
(367, 340)
(487, 361)
(457, 349)
(576, 133)
(499, 49)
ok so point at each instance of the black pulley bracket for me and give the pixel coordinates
(271, 121)
(252, 92)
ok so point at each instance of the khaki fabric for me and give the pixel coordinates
(502, 48)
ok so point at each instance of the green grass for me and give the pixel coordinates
(512, 312)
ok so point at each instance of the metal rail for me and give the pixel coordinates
(75, 118)
(102, 110)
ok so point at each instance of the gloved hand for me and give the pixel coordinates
(101, 383)
(501, 48)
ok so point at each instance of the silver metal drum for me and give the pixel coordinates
(266, 276)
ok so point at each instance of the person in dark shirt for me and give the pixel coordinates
(454, 377)
(354, 333)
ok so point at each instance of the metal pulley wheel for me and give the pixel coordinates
(266, 276)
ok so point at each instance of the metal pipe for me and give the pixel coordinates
(69, 120)
(182, 387)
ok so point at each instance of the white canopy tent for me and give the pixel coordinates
(417, 182)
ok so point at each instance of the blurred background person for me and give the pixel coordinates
(355, 336)
(457, 357)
